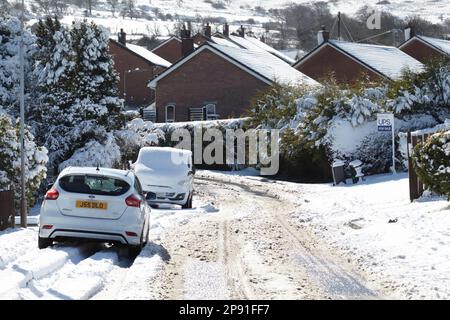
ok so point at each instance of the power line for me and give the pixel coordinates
(348, 31)
(376, 36)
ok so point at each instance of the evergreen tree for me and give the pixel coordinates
(35, 160)
(10, 39)
(78, 88)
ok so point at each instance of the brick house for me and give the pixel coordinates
(348, 62)
(424, 48)
(217, 82)
(135, 66)
(169, 50)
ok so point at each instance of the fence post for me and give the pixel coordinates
(7, 212)
(411, 172)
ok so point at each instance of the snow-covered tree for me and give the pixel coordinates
(35, 159)
(77, 84)
(10, 39)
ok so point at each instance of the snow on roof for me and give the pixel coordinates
(254, 44)
(224, 42)
(148, 55)
(441, 44)
(265, 64)
(260, 64)
(389, 61)
(268, 48)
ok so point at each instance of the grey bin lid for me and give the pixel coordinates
(338, 163)
(356, 163)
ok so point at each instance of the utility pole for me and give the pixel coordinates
(339, 26)
(23, 202)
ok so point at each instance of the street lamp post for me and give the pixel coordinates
(23, 203)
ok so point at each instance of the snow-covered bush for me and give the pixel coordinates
(428, 91)
(35, 159)
(432, 162)
(340, 122)
(137, 134)
(96, 153)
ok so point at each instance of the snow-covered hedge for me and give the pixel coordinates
(137, 134)
(340, 122)
(35, 159)
(432, 162)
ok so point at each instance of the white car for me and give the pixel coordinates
(167, 175)
(99, 204)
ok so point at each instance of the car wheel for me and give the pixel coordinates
(188, 204)
(44, 242)
(190, 201)
(134, 251)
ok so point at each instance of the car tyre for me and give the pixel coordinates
(134, 251)
(188, 204)
(44, 242)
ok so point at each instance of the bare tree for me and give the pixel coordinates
(129, 8)
(113, 6)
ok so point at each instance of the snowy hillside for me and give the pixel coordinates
(237, 12)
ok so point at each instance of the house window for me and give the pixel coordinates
(209, 111)
(170, 113)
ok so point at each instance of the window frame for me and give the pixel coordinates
(170, 105)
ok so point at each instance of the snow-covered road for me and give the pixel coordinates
(246, 238)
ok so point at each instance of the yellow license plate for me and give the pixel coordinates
(92, 205)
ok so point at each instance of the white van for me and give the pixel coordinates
(166, 174)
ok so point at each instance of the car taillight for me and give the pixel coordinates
(133, 201)
(47, 226)
(131, 233)
(52, 194)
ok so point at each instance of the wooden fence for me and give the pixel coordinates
(416, 187)
(6, 209)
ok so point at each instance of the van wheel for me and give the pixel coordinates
(44, 242)
(188, 204)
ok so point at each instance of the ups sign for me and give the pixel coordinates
(385, 121)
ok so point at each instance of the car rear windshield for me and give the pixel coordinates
(91, 184)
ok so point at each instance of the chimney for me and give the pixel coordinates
(122, 37)
(226, 30)
(207, 30)
(187, 42)
(323, 36)
(409, 32)
(241, 32)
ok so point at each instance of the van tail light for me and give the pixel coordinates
(133, 201)
(52, 194)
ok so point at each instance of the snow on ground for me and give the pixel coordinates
(74, 271)
(402, 246)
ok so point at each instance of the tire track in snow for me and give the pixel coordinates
(323, 271)
(77, 281)
(237, 280)
(336, 281)
(33, 266)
